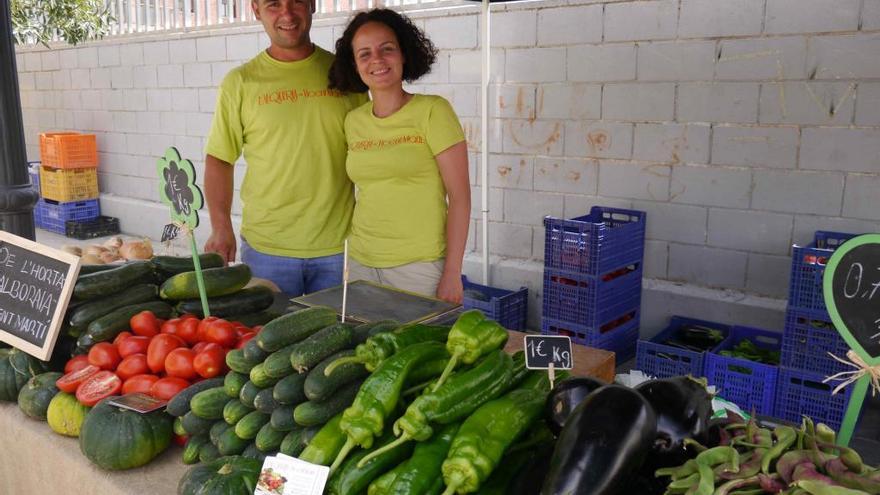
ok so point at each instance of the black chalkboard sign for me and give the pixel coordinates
(541, 350)
(36, 283)
(852, 294)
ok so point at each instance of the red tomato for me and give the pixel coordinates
(122, 336)
(144, 324)
(203, 326)
(159, 348)
(76, 363)
(210, 362)
(71, 381)
(241, 329)
(187, 330)
(104, 355)
(135, 364)
(221, 332)
(139, 384)
(257, 328)
(170, 326)
(179, 363)
(200, 346)
(180, 440)
(133, 345)
(244, 339)
(168, 387)
(98, 386)
(187, 316)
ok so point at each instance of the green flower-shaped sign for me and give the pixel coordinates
(178, 189)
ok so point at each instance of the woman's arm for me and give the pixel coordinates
(453, 165)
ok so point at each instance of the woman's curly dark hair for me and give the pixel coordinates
(418, 51)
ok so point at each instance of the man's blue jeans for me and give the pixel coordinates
(294, 276)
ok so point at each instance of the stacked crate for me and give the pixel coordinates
(68, 180)
(809, 337)
(593, 278)
(507, 307)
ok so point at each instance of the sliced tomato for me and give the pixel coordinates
(71, 381)
(76, 363)
(168, 387)
(139, 383)
(98, 386)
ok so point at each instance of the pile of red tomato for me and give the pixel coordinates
(158, 358)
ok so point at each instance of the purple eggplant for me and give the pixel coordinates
(565, 397)
(603, 442)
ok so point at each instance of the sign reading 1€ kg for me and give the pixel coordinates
(178, 189)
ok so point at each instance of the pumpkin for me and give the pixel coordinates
(116, 438)
(16, 368)
(232, 474)
(66, 415)
(35, 396)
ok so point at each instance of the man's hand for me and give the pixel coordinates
(450, 288)
(223, 243)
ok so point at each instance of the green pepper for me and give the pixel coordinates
(486, 434)
(380, 485)
(421, 471)
(326, 444)
(381, 346)
(379, 395)
(355, 477)
(472, 336)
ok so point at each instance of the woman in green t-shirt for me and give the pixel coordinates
(408, 158)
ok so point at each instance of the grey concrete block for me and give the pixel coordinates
(197, 75)
(185, 100)
(207, 99)
(61, 79)
(566, 175)
(711, 186)
(121, 77)
(465, 66)
(802, 102)
(49, 61)
(805, 227)
(125, 122)
(93, 100)
(871, 16)
(131, 54)
(717, 102)
(708, 267)
(750, 146)
(598, 139)
(538, 246)
(135, 100)
(711, 18)
(511, 171)
(158, 99)
(862, 196)
(672, 143)
(108, 56)
(86, 58)
(542, 137)
(868, 104)
(570, 25)
(811, 16)
(576, 205)
(673, 222)
(849, 150)
(453, 31)
(798, 192)
(496, 204)
(473, 135)
(634, 181)
(762, 59)
(750, 230)
(530, 207)
(676, 61)
(68, 59)
(656, 259)
(144, 76)
(211, 49)
(535, 65)
(639, 101)
(653, 20)
(148, 122)
(219, 71)
(592, 63)
(156, 53)
(514, 28)
(32, 61)
(182, 51)
(768, 275)
(844, 57)
(241, 47)
(516, 101)
(507, 239)
(170, 76)
(100, 78)
(576, 101)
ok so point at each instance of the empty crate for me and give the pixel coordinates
(507, 307)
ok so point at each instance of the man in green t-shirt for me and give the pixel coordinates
(277, 111)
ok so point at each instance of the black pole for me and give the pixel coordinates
(17, 198)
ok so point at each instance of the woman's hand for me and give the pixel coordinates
(450, 288)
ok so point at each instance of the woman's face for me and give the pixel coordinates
(377, 56)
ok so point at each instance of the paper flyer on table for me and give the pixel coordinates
(285, 475)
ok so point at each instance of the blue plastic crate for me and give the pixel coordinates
(507, 307)
(801, 393)
(808, 338)
(748, 384)
(594, 244)
(808, 267)
(662, 361)
(622, 343)
(619, 337)
(590, 301)
(54, 215)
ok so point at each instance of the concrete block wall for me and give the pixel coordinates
(740, 126)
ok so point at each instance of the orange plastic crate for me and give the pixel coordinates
(68, 150)
(65, 185)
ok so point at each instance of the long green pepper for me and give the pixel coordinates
(472, 336)
(326, 444)
(381, 346)
(422, 470)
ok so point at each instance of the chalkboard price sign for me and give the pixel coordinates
(36, 283)
(541, 350)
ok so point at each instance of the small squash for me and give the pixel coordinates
(116, 438)
(66, 415)
(232, 474)
(34, 398)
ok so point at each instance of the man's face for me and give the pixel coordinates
(287, 22)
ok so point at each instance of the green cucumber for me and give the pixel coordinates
(313, 413)
(111, 282)
(289, 390)
(217, 282)
(216, 430)
(107, 327)
(208, 452)
(252, 352)
(268, 438)
(234, 410)
(292, 444)
(177, 427)
(264, 402)
(260, 378)
(252, 452)
(248, 393)
(228, 443)
(237, 362)
(195, 425)
(248, 426)
(209, 403)
(193, 446)
(172, 265)
(233, 382)
(294, 327)
(318, 346)
(363, 332)
(179, 404)
(277, 364)
(89, 269)
(245, 301)
(254, 319)
(91, 311)
(319, 387)
(282, 418)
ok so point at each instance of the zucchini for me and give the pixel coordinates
(264, 402)
(319, 387)
(248, 426)
(313, 413)
(192, 448)
(237, 362)
(248, 393)
(367, 330)
(234, 410)
(218, 282)
(260, 378)
(277, 364)
(289, 390)
(228, 443)
(294, 327)
(318, 346)
(233, 382)
(113, 281)
(248, 300)
(268, 438)
(252, 352)
(254, 319)
(208, 453)
(293, 443)
(172, 265)
(112, 324)
(195, 425)
(216, 430)
(89, 269)
(209, 403)
(91, 311)
(252, 452)
(282, 418)
(179, 404)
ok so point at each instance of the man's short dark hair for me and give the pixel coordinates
(418, 51)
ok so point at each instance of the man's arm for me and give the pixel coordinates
(219, 177)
